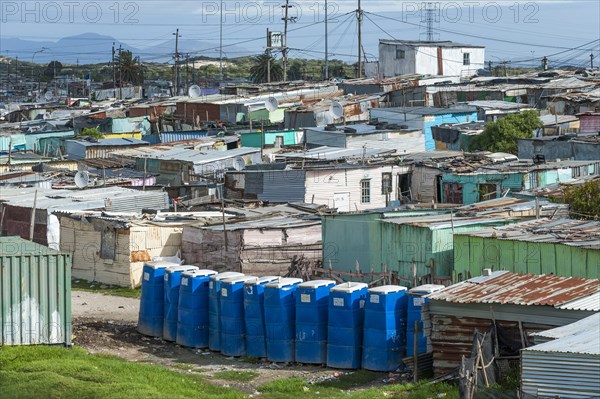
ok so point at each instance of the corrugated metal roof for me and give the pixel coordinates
(110, 142)
(273, 223)
(197, 157)
(333, 153)
(590, 303)
(437, 222)
(519, 289)
(580, 233)
(585, 342)
(590, 323)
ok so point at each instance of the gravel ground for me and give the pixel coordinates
(106, 324)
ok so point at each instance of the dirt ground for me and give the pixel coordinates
(107, 325)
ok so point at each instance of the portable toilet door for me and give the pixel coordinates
(233, 329)
(416, 300)
(312, 308)
(192, 316)
(172, 283)
(254, 316)
(280, 319)
(345, 325)
(152, 299)
(384, 336)
(214, 308)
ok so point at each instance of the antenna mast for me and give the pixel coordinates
(326, 46)
(359, 16)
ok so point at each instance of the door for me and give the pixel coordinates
(341, 201)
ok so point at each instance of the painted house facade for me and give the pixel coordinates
(424, 118)
(403, 57)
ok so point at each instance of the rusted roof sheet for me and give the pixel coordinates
(519, 289)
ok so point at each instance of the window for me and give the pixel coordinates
(386, 183)
(365, 191)
(466, 58)
(400, 54)
(108, 244)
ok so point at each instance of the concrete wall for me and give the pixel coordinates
(424, 60)
(133, 247)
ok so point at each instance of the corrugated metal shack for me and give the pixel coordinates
(112, 248)
(35, 294)
(519, 303)
(563, 247)
(417, 245)
(17, 205)
(266, 246)
(101, 148)
(568, 365)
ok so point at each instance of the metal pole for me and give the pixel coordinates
(177, 62)
(285, 48)
(223, 214)
(120, 73)
(32, 222)
(114, 71)
(221, 45)
(326, 46)
(359, 17)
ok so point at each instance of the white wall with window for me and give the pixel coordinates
(354, 188)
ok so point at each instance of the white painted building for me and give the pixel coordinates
(405, 57)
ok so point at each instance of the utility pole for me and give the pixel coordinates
(359, 18)
(120, 73)
(176, 62)
(285, 46)
(592, 60)
(187, 70)
(268, 56)
(326, 46)
(533, 59)
(221, 45)
(545, 63)
(114, 72)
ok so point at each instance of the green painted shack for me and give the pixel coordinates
(261, 139)
(35, 294)
(418, 245)
(563, 247)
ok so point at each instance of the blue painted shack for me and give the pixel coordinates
(425, 118)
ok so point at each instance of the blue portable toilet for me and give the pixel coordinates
(254, 315)
(384, 336)
(192, 316)
(152, 300)
(172, 283)
(280, 319)
(233, 328)
(345, 325)
(416, 299)
(312, 307)
(214, 308)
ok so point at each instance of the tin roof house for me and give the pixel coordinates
(520, 304)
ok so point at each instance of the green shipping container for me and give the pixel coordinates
(35, 294)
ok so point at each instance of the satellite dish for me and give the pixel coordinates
(49, 96)
(194, 91)
(239, 164)
(271, 104)
(336, 109)
(82, 179)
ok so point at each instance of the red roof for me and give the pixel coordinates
(518, 289)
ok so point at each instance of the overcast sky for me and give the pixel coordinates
(510, 30)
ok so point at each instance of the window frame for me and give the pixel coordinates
(365, 191)
(387, 186)
(466, 59)
(402, 53)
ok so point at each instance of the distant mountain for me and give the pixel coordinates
(92, 48)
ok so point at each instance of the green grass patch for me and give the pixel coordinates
(291, 388)
(57, 372)
(236, 375)
(93, 286)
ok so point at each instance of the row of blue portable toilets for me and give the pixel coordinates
(282, 319)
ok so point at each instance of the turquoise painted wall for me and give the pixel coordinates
(436, 120)
(32, 140)
(471, 183)
(254, 139)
